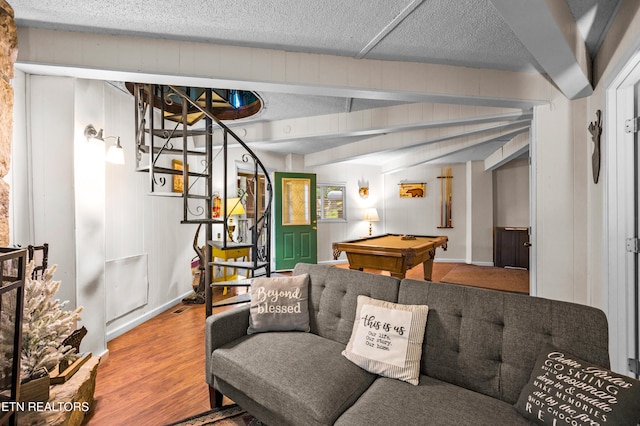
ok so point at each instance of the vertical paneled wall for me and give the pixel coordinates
(148, 250)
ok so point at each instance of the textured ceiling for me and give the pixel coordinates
(464, 32)
(469, 33)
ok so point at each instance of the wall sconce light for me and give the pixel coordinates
(371, 215)
(363, 188)
(115, 153)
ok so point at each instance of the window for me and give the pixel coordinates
(331, 202)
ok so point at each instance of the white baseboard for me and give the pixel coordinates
(103, 355)
(482, 263)
(436, 260)
(144, 318)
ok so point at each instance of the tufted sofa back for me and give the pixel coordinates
(487, 341)
(333, 297)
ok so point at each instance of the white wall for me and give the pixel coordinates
(421, 216)
(561, 204)
(44, 205)
(92, 214)
(354, 226)
(479, 214)
(143, 232)
(511, 189)
(89, 210)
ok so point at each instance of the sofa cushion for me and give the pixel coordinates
(279, 304)
(387, 338)
(333, 297)
(433, 402)
(301, 376)
(488, 341)
(564, 389)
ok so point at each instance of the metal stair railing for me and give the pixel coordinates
(260, 244)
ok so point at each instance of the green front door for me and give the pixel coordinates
(295, 219)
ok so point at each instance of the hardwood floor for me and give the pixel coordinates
(155, 373)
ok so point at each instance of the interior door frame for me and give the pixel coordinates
(311, 228)
(619, 211)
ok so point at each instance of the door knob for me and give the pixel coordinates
(527, 244)
(315, 228)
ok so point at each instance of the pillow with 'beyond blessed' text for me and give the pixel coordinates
(566, 390)
(279, 304)
(387, 338)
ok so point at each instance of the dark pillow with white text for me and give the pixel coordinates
(566, 390)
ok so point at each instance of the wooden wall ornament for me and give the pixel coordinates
(595, 128)
(413, 190)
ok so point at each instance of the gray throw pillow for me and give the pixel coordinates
(279, 304)
(566, 390)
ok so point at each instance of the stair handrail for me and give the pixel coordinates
(226, 129)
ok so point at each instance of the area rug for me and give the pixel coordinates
(512, 280)
(231, 415)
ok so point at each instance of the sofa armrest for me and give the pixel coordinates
(221, 329)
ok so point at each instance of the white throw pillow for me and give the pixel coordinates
(387, 338)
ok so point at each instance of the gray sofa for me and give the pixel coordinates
(478, 353)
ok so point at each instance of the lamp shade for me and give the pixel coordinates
(233, 206)
(115, 153)
(371, 214)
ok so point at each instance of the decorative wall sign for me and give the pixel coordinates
(413, 190)
(595, 128)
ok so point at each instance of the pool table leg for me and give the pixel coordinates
(427, 267)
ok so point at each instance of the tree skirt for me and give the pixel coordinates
(490, 277)
(231, 415)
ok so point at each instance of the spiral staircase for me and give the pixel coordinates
(186, 149)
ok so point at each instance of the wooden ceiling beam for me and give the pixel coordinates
(549, 32)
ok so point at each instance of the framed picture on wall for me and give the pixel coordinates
(413, 190)
(177, 180)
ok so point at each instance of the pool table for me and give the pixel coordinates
(391, 252)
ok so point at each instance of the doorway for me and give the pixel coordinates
(296, 224)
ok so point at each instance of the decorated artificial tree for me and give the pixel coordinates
(45, 325)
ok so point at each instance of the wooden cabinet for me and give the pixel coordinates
(511, 247)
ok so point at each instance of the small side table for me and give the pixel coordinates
(229, 253)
